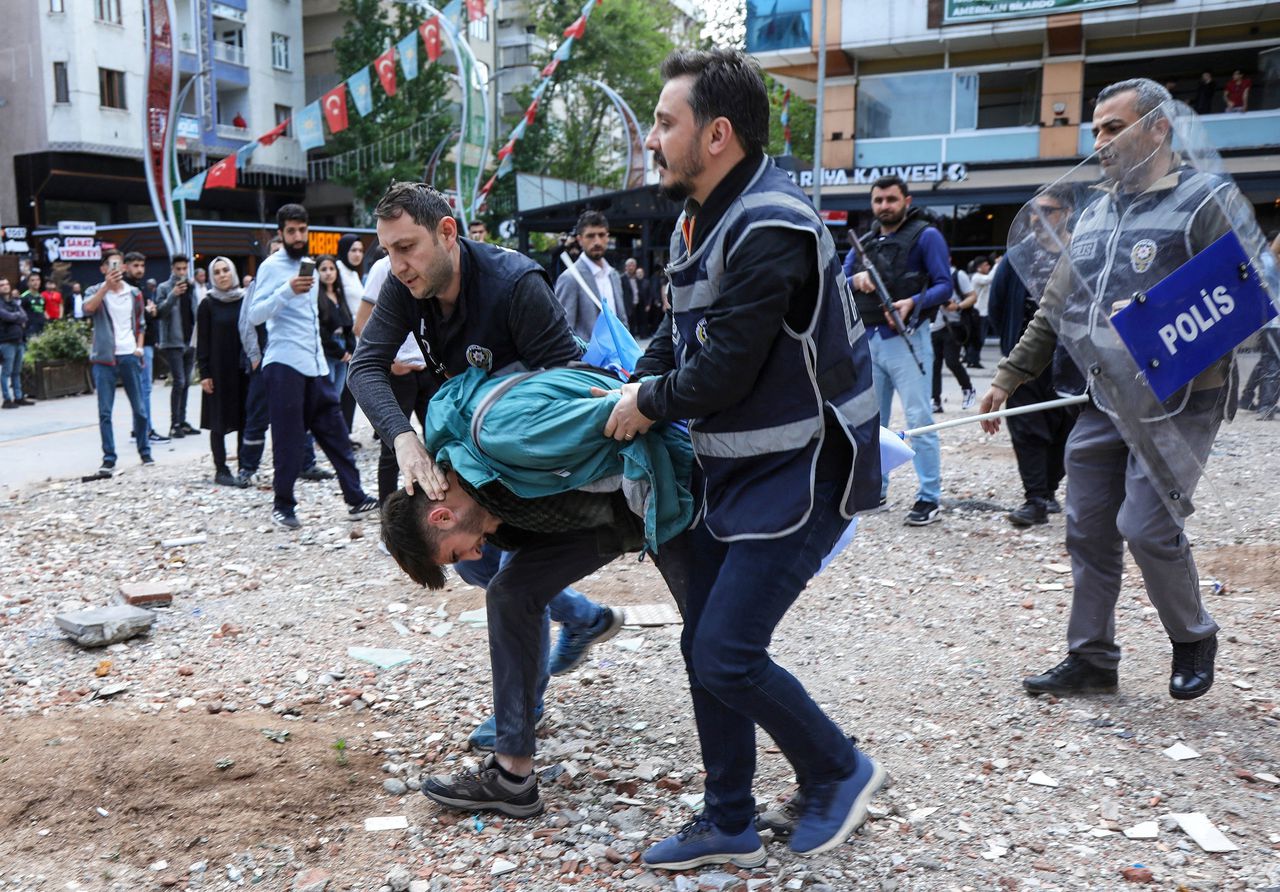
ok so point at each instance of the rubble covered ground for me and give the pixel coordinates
(239, 745)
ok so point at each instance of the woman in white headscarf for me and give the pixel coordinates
(224, 376)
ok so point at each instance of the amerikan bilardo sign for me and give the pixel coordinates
(958, 11)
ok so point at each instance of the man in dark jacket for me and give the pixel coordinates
(1039, 438)
(176, 316)
(13, 345)
(773, 372)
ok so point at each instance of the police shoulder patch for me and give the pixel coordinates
(700, 331)
(480, 357)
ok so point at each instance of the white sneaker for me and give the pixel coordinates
(970, 397)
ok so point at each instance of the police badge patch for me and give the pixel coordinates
(700, 331)
(480, 357)
(1143, 255)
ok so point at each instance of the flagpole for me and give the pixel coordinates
(1003, 413)
(817, 124)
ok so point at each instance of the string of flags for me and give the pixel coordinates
(562, 53)
(331, 108)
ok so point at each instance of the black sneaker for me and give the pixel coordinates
(9, 404)
(148, 460)
(781, 819)
(1032, 512)
(188, 430)
(368, 506)
(23, 401)
(315, 472)
(1192, 673)
(157, 437)
(176, 433)
(108, 468)
(288, 521)
(1074, 675)
(485, 789)
(244, 478)
(922, 514)
(225, 478)
(1052, 506)
(937, 407)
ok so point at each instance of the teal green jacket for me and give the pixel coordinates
(542, 433)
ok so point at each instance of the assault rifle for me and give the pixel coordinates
(882, 292)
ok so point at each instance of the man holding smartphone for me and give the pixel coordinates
(296, 375)
(117, 309)
(176, 315)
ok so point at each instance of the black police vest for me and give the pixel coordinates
(483, 338)
(890, 255)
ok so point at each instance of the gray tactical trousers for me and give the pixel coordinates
(1110, 501)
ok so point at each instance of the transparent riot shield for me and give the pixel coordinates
(1151, 269)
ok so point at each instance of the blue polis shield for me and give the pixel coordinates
(1149, 265)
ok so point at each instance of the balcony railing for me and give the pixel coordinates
(227, 52)
(1002, 144)
(231, 131)
(1248, 130)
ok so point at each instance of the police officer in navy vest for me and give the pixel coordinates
(914, 264)
(474, 305)
(762, 353)
(1152, 203)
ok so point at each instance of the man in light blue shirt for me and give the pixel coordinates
(299, 394)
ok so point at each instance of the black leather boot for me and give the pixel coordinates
(1192, 674)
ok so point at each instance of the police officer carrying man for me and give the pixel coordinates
(913, 261)
(1153, 215)
(474, 305)
(776, 381)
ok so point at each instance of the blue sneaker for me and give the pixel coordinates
(574, 641)
(833, 811)
(485, 736)
(700, 842)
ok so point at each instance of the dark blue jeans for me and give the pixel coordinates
(738, 593)
(299, 403)
(257, 417)
(569, 607)
(127, 371)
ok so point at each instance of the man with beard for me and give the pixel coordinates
(914, 264)
(296, 375)
(770, 366)
(590, 280)
(470, 305)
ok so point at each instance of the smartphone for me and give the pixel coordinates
(307, 268)
(113, 263)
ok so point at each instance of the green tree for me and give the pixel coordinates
(802, 120)
(425, 100)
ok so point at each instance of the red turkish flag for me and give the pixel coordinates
(507, 149)
(222, 175)
(484, 190)
(531, 112)
(334, 104)
(550, 68)
(385, 65)
(430, 31)
(577, 28)
(274, 133)
(475, 10)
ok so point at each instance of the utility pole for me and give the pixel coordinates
(817, 124)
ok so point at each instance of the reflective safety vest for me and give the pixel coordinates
(758, 457)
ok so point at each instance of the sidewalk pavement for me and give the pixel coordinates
(58, 439)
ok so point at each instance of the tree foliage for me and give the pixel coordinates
(802, 121)
(369, 31)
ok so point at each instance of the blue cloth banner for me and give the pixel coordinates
(518, 131)
(310, 127)
(191, 189)
(361, 92)
(612, 347)
(243, 153)
(1194, 316)
(562, 51)
(893, 452)
(407, 50)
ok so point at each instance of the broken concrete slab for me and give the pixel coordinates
(1206, 836)
(101, 626)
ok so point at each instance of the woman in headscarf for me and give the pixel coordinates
(350, 261)
(224, 376)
